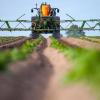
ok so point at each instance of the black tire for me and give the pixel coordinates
(35, 35)
(56, 35)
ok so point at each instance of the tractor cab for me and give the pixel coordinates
(46, 21)
(46, 10)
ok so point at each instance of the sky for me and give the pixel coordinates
(79, 9)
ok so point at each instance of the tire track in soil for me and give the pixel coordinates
(27, 79)
(55, 90)
(13, 44)
(37, 78)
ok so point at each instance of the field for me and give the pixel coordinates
(50, 69)
(92, 38)
(6, 40)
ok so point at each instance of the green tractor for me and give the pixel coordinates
(46, 21)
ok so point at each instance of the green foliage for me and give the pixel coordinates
(16, 54)
(4, 59)
(75, 31)
(86, 64)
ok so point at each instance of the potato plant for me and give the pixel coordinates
(86, 64)
(16, 54)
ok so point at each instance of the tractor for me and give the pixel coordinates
(45, 21)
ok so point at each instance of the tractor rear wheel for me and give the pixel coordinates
(56, 35)
(34, 35)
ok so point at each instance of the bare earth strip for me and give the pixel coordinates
(38, 78)
(57, 92)
(81, 43)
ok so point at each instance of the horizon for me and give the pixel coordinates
(78, 9)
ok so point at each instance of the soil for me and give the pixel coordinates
(38, 78)
(75, 42)
(13, 44)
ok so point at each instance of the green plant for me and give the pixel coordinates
(16, 54)
(86, 64)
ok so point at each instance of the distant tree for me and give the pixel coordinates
(75, 31)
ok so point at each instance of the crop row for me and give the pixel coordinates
(16, 54)
(6, 40)
(86, 64)
(91, 39)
